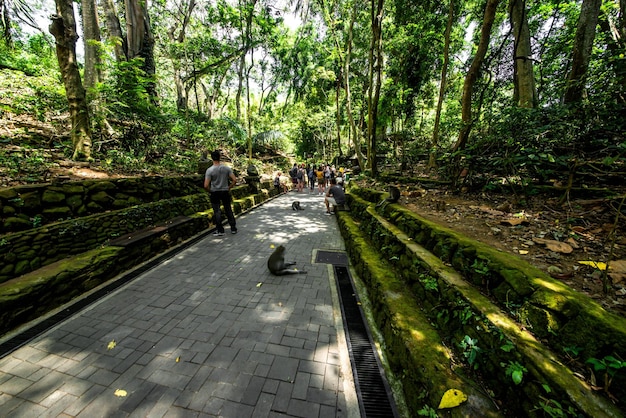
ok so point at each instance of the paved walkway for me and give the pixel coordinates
(209, 332)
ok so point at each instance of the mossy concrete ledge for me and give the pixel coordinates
(413, 347)
(554, 312)
(455, 304)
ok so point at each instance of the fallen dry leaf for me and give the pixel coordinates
(514, 221)
(556, 246)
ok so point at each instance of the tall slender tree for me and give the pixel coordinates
(525, 94)
(581, 55)
(473, 73)
(63, 28)
(375, 81)
(432, 159)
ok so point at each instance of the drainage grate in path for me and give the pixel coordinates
(373, 391)
(335, 258)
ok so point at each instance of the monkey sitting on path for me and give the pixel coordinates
(276, 263)
(394, 196)
(296, 206)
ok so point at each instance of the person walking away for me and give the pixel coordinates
(293, 173)
(311, 175)
(300, 176)
(327, 176)
(335, 196)
(218, 180)
(320, 180)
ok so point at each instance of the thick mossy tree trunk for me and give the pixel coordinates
(63, 28)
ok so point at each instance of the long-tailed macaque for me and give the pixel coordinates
(394, 196)
(276, 263)
(296, 205)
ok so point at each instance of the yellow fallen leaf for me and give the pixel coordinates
(523, 252)
(178, 359)
(259, 284)
(271, 245)
(594, 264)
(452, 398)
(111, 345)
(121, 393)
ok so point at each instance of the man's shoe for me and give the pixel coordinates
(328, 213)
(233, 231)
(218, 234)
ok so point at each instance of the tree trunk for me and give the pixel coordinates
(432, 160)
(246, 43)
(5, 23)
(338, 111)
(616, 43)
(356, 137)
(473, 73)
(140, 39)
(179, 39)
(115, 30)
(91, 38)
(525, 94)
(583, 43)
(63, 28)
(375, 75)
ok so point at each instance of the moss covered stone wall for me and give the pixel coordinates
(27, 207)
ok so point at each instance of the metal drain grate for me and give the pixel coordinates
(372, 388)
(335, 258)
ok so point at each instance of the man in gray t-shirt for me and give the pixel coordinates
(335, 196)
(218, 180)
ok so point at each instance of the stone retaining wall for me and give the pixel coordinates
(28, 207)
(61, 261)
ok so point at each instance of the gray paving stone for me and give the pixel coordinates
(244, 350)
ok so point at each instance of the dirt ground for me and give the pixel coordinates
(571, 241)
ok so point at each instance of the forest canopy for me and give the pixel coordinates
(526, 89)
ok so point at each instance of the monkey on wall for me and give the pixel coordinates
(394, 196)
(296, 206)
(277, 266)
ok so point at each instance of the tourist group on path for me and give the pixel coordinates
(219, 179)
(330, 183)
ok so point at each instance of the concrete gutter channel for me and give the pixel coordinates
(408, 322)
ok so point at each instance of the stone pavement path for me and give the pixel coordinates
(208, 332)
